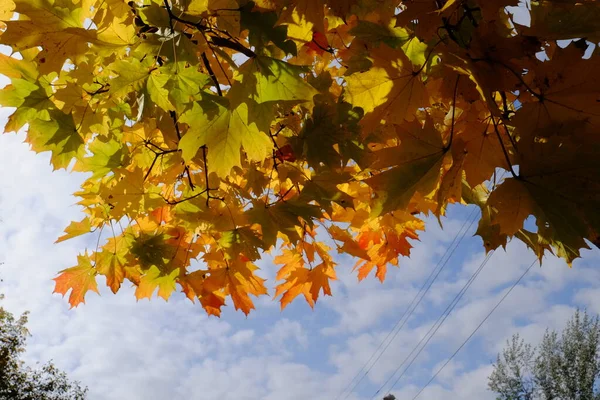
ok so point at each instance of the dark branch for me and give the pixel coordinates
(511, 169)
(211, 73)
(223, 42)
(172, 203)
(453, 114)
(178, 132)
(216, 40)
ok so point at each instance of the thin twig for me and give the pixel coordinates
(211, 73)
(185, 166)
(172, 203)
(453, 114)
(512, 171)
(217, 40)
(204, 149)
(156, 155)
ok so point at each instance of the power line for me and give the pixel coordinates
(476, 329)
(410, 309)
(471, 217)
(434, 328)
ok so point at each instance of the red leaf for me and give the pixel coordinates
(285, 153)
(319, 43)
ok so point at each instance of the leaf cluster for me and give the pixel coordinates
(213, 131)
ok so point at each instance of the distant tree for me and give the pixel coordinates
(19, 382)
(561, 368)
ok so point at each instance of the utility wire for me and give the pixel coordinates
(470, 218)
(476, 329)
(434, 328)
(410, 309)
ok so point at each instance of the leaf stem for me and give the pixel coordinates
(453, 114)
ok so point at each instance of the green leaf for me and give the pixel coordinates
(262, 30)
(372, 32)
(242, 240)
(224, 132)
(416, 166)
(132, 76)
(185, 84)
(282, 217)
(267, 79)
(397, 186)
(156, 89)
(57, 135)
(154, 15)
(106, 156)
(155, 279)
(329, 126)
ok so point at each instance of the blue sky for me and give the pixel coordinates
(123, 349)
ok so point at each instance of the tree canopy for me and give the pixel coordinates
(19, 382)
(213, 131)
(561, 367)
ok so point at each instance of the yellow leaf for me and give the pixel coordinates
(76, 229)
(389, 90)
(154, 278)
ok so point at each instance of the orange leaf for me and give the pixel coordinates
(78, 279)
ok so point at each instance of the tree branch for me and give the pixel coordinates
(185, 167)
(453, 114)
(211, 73)
(216, 40)
(511, 169)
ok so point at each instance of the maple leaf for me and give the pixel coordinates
(263, 29)
(239, 280)
(224, 132)
(76, 229)
(563, 200)
(285, 217)
(389, 90)
(275, 80)
(112, 261)
(79, 280)
(416, 167)
(564, 20)
(57, 26)
(153, 279)
(304, 18)
(308, 282)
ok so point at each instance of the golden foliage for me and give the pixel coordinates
(213, 131)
